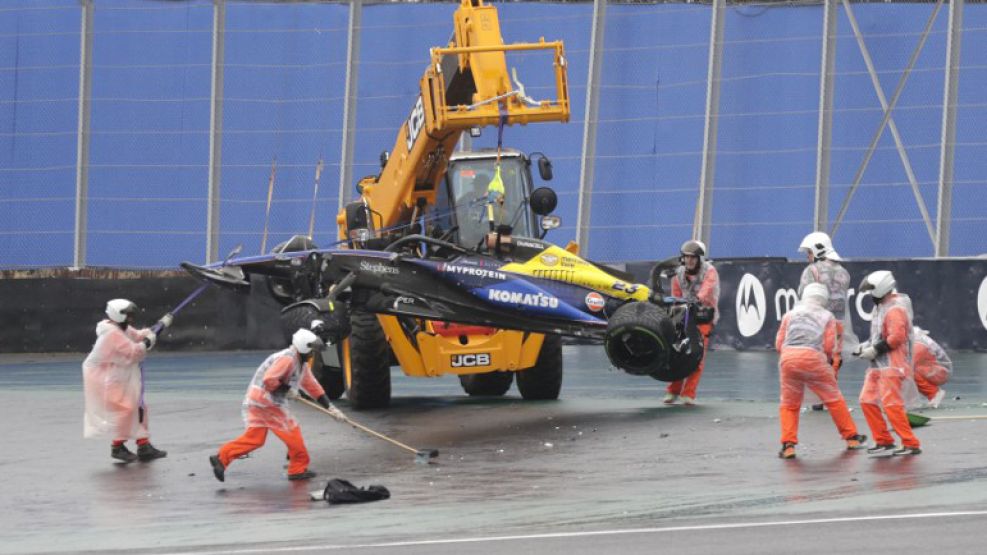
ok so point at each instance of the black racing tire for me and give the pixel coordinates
(331, 379)
(638, 339)
(296, 317)
(543, 381)
(370, 359)
(489, 384)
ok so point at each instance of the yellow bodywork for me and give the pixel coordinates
(504, 350)
(559, 264)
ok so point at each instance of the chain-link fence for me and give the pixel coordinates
(139, 134)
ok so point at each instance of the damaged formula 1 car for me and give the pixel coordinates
(506, 282)
(445, 272)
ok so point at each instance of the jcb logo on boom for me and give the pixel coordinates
(464, 361)
(415, 122)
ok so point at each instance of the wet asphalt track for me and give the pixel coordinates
(605, 469)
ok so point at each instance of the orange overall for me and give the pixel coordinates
(932, 364)
(886, 379)
(807, 339)
(264, 409)
(703, 288)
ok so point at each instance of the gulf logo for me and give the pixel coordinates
(594, 301)
(549, 259)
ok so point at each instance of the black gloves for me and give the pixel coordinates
(282, 389)
(882, 347)
(324, 401)
(705, 314)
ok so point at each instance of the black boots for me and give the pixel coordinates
(882, 450)
(306, 475)
(218, 470)
(121, 453)
(147, 452)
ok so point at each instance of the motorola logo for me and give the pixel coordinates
(751, 306)
(785, 301)
(982, 303)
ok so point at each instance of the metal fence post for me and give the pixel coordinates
(82, 146)
(824, 137)
(349, 102)
(888, 121)
(702, 222)
(948, 140)
(591, 114)
(215, 131)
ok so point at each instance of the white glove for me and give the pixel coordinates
(334, 412)
(866, 351)
(166, 320)
(150, 339)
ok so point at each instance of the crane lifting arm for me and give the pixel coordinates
(466, 85)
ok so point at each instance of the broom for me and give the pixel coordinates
(918, 420)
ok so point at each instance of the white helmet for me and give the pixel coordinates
(118, 309)
(878, 283)
(816, 293)
(820, 245)
(304, 341)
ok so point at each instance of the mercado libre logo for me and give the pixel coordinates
(751, 307)
(982, 303)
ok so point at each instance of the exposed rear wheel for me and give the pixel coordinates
(329, 377)
(638, 339)
(642, 340)
(543, 381)
(296, 317)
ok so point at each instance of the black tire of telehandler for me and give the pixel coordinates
(638, 339)
(331, 379)
(488, 384)
(543, 381)
(370, 357)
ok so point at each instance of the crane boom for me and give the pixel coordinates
(465, 85)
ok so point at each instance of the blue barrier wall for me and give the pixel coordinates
(39, 73)
(283, 85)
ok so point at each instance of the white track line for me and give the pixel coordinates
(737, 525)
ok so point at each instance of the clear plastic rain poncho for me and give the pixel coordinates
(704, 288)
(807, 336)
(111, 377)
(264, 405)
(896, 364)
(930, 359)
(835, 277)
